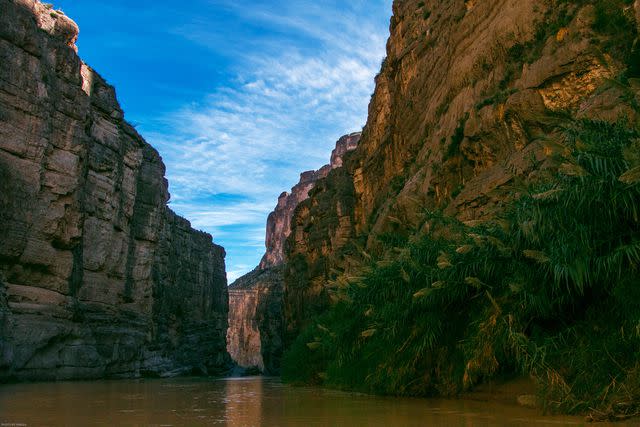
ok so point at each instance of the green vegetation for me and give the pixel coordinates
(397, 183)
(443, 107)
(633, 69)
(618, 27)
(456, 191)
(551, 288)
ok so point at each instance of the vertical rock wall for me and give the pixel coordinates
(254, 337)
(97, 276)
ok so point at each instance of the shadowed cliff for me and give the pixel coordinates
(98, 277)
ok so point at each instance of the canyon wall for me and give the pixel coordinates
(98, 277)
(471, 99)
(255, 336)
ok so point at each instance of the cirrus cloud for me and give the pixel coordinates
(296, 88)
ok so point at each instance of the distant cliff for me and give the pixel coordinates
(279, 221)
(256, 315)
(98, 277)
(254, 338)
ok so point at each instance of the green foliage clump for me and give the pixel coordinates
(634, 61)
(397, 183)
(551, 289)
(615, 21)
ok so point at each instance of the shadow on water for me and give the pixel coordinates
(248, 401)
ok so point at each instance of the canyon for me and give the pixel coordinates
(482, 227)
(98, 277)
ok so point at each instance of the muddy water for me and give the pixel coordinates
(240, 402)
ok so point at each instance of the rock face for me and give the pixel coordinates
(256, 300)
(254, 338)
(98, 277)
(469, 98)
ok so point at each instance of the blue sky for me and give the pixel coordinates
(238, 96)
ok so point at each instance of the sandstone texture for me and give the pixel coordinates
(256, 328)
(98, 277)
(471, 99)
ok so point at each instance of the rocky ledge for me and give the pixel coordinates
(98, 277)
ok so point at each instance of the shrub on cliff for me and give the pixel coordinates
(550, 289)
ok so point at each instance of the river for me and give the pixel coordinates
(251, 401)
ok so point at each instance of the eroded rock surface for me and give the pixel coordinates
(98, 277)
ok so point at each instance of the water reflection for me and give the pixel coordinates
(242, 402)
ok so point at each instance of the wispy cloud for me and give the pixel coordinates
(302, 79)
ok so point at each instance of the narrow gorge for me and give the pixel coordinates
(482, 231)
(98, 277)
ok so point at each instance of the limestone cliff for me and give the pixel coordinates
(256, 300)
(469, 100)
(98, 277)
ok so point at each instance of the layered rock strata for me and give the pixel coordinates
(471, 98)
(256, 315)
(98, 277)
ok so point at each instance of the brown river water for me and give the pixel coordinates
(254, 401)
